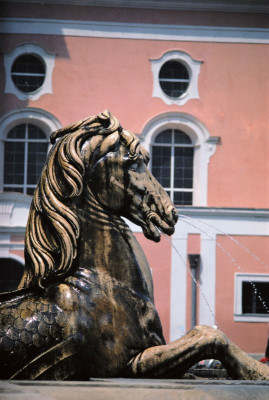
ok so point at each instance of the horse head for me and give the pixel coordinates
(91, 159)
(122, 183)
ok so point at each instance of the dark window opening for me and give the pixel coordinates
(28, 73)
(25, 153)
(174, 78)
(172, 164)
(10, 274)
(255, 297)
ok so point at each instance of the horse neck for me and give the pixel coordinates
(107, 246)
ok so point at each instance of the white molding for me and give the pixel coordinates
(238, 280)
(178, 287)
(218, 212)
(48, 60)
(207, 295)
(193, 67)
(202, 149)
(43, 119)
(124, 30)
(14, 209)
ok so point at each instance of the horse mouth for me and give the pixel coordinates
(154, 226)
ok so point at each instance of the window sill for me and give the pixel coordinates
(251, 318)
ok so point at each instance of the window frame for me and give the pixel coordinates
(20, 74)
(172, 146)
(174, 80)
(43, 119)
(26, 141)
(193, 68)
(39, 52)
(238, 289)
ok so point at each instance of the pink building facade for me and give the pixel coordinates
(115, 56)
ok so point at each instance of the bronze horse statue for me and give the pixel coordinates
(84, 307)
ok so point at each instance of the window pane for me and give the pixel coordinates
(28, 83)
(164, 137)
(37, 153)
(30, 191)
(18, 132)
(174, 78)
(14, 162)
(253, 297)
(183, 167)
(28, 63)
(173, 70)
(183, 198)
(14, 158)
(28, 73)
(35, 133)
(161, 164)
(182, 138)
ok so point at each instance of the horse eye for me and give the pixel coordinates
(134, 165)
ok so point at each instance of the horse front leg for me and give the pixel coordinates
(202, 342)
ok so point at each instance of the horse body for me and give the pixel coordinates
(85, 306)
(104, 309)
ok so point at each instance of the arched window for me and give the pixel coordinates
(172, 164)
(180, 147)
(25, 152)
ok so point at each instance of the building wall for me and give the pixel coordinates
(103, 60)
(96, 74)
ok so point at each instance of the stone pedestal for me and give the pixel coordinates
(135, 389)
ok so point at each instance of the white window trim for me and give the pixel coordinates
(204, 146)
(193, 68)
(44, 120)
(49, 61)
(239, 279)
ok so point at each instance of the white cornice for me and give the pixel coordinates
(225, 212)
(259, 6)
(126, 30)
(16, 198)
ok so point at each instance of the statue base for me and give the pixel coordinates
(135, 389)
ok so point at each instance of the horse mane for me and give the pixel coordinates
(53, 229)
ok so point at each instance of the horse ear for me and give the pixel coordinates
(106, 114)
(113, 123)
